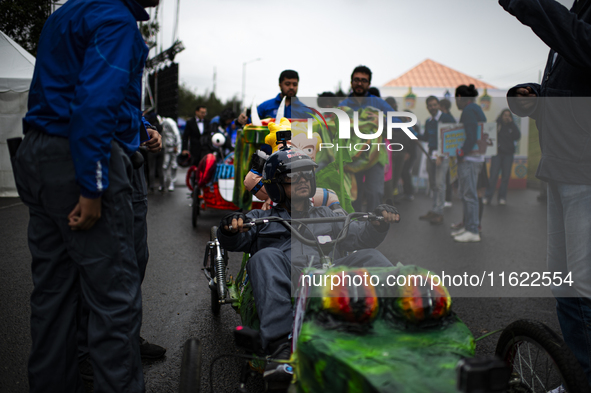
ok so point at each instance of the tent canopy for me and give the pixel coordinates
(16, 71)
(16, 66)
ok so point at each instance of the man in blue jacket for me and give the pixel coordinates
(73, 170)
(561, 112)
(438, 165)
(288, 86)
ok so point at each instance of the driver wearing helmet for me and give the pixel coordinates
(289, 177)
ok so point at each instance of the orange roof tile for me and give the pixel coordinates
(432, 74)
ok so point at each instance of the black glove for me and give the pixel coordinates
(389, 208)
(257, 163)
(227, 220)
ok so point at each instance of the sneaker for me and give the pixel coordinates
(467, 237)
(485, 201)
(150, 351)
(279, 374)
(161, 189)
(457, 225)
(448, 204)
(171, 187)
(427, 216)
(502, 202)
(409, 198)
(86, 371)
(437, 219)
(458, 232)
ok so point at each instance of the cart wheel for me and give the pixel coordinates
(540, 359)
(215, 302)
(215, 298)
(191, 367)
(195, 212)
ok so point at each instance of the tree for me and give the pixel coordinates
(23, 21)
(188, 101)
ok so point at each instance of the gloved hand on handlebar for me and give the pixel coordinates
(389, 213)
(235, 220)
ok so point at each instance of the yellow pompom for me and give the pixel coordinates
(271, 139)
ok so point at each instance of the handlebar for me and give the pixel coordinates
(321, 220)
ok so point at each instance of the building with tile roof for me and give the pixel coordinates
(433, 74)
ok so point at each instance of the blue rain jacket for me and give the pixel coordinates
(87, 84)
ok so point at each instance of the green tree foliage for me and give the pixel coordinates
(188, 101)
(23, 20)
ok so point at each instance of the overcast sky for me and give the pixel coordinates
(325, 40)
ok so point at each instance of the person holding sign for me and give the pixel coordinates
(469, 162)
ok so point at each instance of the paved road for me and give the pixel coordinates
(176, 297)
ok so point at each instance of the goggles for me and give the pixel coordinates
(295, 177)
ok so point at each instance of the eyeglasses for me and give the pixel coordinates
(296, 176)
(360, 81)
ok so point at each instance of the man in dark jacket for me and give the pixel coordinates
(437, 164)
(290, 182)
(196, 130)
(560, 107)
(73, 171)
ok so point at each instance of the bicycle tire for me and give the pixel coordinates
(215, 298)
(535, 337)
(190, 381)
(195, 208)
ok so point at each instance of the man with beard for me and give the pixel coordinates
(372, 188)
(73, 171)
(288, 85)
(437, 164)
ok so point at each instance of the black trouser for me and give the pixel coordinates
(407, 169)
(140, 239)
(98, 264)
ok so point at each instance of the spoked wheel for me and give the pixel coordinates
(540, 359)
(195, 207)
(191, 367)
(215, 298)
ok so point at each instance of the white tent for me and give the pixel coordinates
(16, 72)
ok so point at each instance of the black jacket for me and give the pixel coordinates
(192, 137)
(562, 113)
(506, 137)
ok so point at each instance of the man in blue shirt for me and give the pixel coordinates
(73, 170)
(437, 165)
(373, 187)
(288, 85)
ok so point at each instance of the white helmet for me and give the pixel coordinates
(218, 140)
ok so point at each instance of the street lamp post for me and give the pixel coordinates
(244, 78)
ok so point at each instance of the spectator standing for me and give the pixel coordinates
(507, 134)
(73, 170)
(437, 164)
(172, 146)
(562, 116)
(469, 163)
(288, 86)
(155, 160)
(445, 106)
(396, 158)
(373, 172)
(196, 128)
(410, 156)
